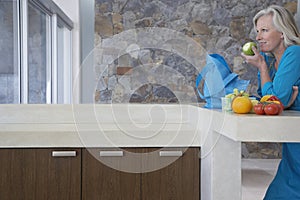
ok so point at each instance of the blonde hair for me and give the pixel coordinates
(283, 21)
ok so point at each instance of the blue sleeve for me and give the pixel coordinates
(269, 59)
(286, 77)
(259, 92)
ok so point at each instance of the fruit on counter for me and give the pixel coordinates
(269, 105)
(236, 93)
(279, 104)
(240, 102)
(272, 99)
(232, 95)
(247, 48)
(268, 97)
(259, 109)
(272, 109)
(269, 108)
(254, 102)
(241, 105)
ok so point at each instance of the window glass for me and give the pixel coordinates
(34, 66)
(60, 64)
(38, 55)
(9, 70)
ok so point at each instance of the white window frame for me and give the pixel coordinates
(64, 94)
(23, 53)
(57, 17)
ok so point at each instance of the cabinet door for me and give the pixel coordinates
(179, 180)
(34, 174)
(101, 179)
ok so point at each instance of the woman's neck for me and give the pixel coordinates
(278, 54)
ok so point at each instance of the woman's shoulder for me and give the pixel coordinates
(293, 48)
(292, 52)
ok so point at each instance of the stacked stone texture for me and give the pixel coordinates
(219, 26)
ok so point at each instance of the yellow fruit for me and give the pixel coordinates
(254, 102)
(278, 102)
(241, 105)
(265, 98)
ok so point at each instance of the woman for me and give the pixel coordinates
(279, 74)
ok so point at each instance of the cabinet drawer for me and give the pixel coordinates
(101, 180)
(141, 173)
(34, 174)
(179, 179)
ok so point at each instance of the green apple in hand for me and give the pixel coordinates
(247, 48)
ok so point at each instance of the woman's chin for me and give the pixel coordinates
(264, 50)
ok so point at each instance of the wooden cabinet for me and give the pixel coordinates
(100, 181)
(179, 180)
(34, 174)
(74, 174)
(176, 176)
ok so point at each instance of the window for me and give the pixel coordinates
(9, 45)
(38, 41)
(64, 57)
(35, 57)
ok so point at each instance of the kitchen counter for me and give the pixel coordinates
(221, 146)
(105, 125)
(259, 128)
(219, 134)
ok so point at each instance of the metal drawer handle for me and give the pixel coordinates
(170, 153)
(63, 153)
(111, 153)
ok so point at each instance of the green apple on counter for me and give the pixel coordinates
(247, 48)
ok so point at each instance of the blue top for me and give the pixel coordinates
(287, 76)
(286, 184)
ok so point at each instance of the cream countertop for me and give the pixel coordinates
(105, 125)
(135, 125)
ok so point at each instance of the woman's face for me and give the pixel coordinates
(268, 37)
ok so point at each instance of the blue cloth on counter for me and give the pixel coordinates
(286, 183)
(218, 80)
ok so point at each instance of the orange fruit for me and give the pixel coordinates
(241, 105)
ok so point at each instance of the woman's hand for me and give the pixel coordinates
(256, 60)
(294, 96)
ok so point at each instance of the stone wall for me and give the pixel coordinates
(142, 73)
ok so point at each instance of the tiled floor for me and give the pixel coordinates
(256, 176)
